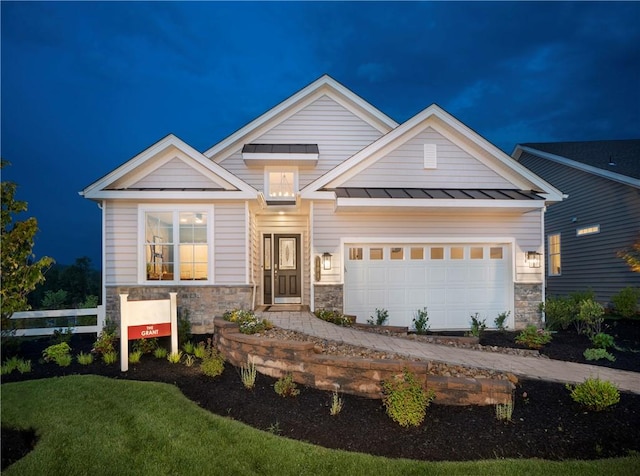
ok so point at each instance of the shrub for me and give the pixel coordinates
(594, 394)
(382, 316)
(160, 353)
(184, 326)
(477, 326)
(145, 346)
(248, 374)
(501, 319)
(590, 318)
(405, 400)
(213, 362)
(602, 340)
(421, 321)
(189, 348)
(62, 335)
(597, 354)
(110, 358)
(84, 359)
(24, 366)
(175, 357)
(135, 356)
(286, 387)
(625, 302)
(559, 313)
(200, 351)
(106, 341)
(247, 321)
(58, 353)
(336, 403)
(533, 337)
(15, 363)
(333, 316)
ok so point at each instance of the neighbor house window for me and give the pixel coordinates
(281, 184)
(176, 245)
(554, 254)
(588, 230)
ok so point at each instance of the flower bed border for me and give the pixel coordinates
(356, 376)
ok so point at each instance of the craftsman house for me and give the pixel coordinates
(600, 217)
(326, 202)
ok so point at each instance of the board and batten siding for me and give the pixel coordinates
(175, 172)
(122, 246)
(523, 228)
(589, 261)
(404, 167)
(338, 132)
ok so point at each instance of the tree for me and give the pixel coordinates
(19, 271)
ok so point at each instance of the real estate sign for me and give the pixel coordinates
(147, 320)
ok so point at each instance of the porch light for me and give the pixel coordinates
(533, 258)
(326, 260)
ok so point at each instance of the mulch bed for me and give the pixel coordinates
(546, 423)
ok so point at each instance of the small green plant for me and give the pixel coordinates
(405, 400)
(248, 374)
(559, 312)
(145, 346)
(333, 316)
(625, 302)
(381, 318)
(189, 348)
(160, 353)
(135, 356)
(84, 359)
(504, 411)
(189, 360)
(175, 357)
(590, 317)
(110, 358)
(421, 321)
(286, 387)
(533, 337)
(247, 321)
(212, 364)
(477, 326)
(58, 353)
(597, 354)
(200, 351)
(501, 320)
(594, 394)
(274, 428)
(602, 340)
(15, 363)
(336, 403)
(24, 366)
(106, 341)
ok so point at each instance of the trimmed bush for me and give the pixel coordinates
(405, 400)
(286, 387)
(625, 302)
(533, 337)
(594, 394)
(597, 354)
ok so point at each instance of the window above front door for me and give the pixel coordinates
(280, 185)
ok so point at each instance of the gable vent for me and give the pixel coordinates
(430, 156)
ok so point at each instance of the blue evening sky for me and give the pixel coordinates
(86, 86)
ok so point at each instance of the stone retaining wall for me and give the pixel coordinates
(350, 375)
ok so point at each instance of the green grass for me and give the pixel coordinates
(100, 426)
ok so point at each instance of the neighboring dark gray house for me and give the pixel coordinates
(601, 216)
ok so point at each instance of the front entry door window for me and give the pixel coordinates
(282, 275)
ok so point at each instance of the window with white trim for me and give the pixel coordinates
(553, 246)
(281, 184)
(177, 244)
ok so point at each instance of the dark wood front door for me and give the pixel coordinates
(287, 271)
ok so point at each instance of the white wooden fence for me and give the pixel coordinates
(99, 312)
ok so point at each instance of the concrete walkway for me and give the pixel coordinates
(529, 367)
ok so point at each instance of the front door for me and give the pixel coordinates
(285, 270)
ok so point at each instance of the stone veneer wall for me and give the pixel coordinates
(329, 296)
(351, 375)
(528, 297)
(202, 303)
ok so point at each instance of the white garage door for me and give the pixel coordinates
(453, 281)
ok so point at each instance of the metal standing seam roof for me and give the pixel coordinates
(280, 149)
(437, 194)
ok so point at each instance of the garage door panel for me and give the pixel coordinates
(451, 289)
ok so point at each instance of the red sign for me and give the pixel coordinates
(149, 331)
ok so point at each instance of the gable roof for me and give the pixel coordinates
(617, 160)
(325, 85)
(455, 131)
(121, 182)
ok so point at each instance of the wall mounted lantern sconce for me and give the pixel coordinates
(326, 260)
(533, 258)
